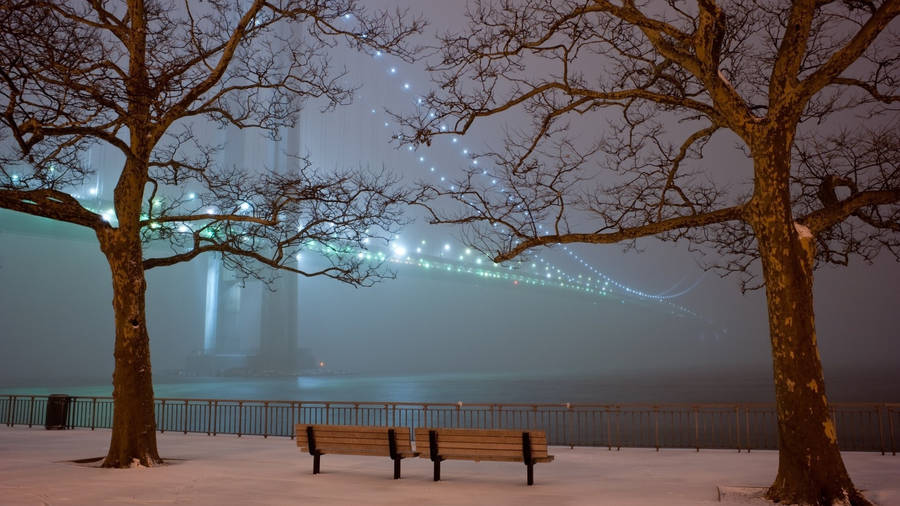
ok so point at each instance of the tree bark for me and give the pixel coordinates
(133, 437)
(810, 467)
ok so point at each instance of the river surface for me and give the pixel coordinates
(499, 388)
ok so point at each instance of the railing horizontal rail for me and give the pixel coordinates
(743, 426)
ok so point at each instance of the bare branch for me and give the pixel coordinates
(51, 204)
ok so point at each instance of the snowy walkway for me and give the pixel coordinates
(35, 468)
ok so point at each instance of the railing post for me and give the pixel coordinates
(618, 442)
(293, 420)
(31, 413)
(356, 413)
(215, 411)
(608, 430)
(162, 417)
(891, 428)
(747, 420)
(265, 419)
(240, 420)
(184, 419)
(11, 413)
(208, 418)
(696, 427)
(737, 427)
(880, 428)
(656, 425)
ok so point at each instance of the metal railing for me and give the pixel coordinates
(860, 426)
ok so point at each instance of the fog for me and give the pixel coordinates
(58, 325)
(56, 320)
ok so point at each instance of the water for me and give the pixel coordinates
(502, 388)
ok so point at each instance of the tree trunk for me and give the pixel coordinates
(133, 437)
(810, 467)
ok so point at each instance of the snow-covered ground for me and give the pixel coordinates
(36, 468)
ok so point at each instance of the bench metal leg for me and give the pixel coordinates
(316, 463)
(437, 470)
(397, 469)
(530, 473)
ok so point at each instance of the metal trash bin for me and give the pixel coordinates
(57, 412)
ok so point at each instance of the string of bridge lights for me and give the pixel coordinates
(542, 272)
(598, 282)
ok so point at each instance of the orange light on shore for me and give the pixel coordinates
(321, 364)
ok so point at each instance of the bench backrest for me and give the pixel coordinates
(353, 439)
(482, 442)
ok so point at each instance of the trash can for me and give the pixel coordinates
(57, 412)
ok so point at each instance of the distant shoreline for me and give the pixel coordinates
(512, 387)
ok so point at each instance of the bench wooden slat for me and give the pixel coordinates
(356, 450)
(360, 441)
(475, 444)
(480, 432)
(459, 440)
(534, 434)
(494, 458)
(359, 429)
(535, 452)
(351, 450)
(362, 447)
(516, 456)
(348, 435)
(479, 451)
(357, 435)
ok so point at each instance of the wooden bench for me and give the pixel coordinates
(502, 445)
(393, 442)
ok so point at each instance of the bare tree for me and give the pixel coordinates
(650, 85)
(141, 76)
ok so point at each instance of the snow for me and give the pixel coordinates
(803, 232)
(36, 468)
